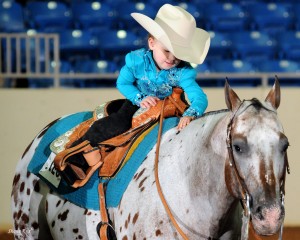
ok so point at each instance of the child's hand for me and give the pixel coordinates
(149, 102)
(184, 121)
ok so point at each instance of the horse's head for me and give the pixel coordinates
(257, 158)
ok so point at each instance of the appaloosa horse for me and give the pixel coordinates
(205, 171)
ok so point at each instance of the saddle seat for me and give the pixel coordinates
(110, 154)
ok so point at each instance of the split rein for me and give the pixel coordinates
(157, 182)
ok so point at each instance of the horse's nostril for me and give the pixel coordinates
(259, 214)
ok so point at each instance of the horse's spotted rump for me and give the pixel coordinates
(138, 175)
(35, 225)
(158, 233)
(63, 216)
(22, 186)
(58, 202)
(16, 179)
(141, 187)
(36, 185)
(135, 218)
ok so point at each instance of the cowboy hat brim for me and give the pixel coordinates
(194, 53)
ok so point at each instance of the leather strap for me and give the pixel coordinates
(104, 218)
(157, 182)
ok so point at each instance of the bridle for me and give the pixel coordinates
(245, 195)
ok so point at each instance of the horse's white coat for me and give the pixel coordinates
(192, 175)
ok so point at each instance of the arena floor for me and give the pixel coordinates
(289, 233)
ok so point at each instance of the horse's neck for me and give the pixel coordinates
(194, 178)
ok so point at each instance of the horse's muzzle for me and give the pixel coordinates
(267, 219)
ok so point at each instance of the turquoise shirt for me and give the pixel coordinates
(140, 78)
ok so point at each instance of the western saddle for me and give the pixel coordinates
(109, 155)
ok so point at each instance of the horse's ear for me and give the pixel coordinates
(231, 98)
(274, 94)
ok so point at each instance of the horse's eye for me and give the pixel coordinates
(237, 148)
(285, 147)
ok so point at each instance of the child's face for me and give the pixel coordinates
(163, 58)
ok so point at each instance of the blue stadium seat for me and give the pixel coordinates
(253, 46)
(124, 19)
(203, 68)
(48, 15)
(78, 44)
(96, 66)
(224, 16)
(296, 14)
(89, 15)
(235, 66)
(195, 10)
(115, 43)
(64, 67)
(158, 3)
(232, 66)
(280, 66)
(289, 45)
(269, 17)
(11, 17)
(220, 46)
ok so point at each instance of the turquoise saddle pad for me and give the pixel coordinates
(87, 196)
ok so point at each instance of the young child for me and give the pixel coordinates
(149, 75)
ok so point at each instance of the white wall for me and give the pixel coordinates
(25, 112)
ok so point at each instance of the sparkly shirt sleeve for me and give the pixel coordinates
(126, 80)
(194, 92)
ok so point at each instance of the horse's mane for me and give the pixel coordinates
(255, 103)
(214, 112)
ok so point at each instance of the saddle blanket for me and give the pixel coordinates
(87, 196)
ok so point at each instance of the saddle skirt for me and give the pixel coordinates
(87, 195)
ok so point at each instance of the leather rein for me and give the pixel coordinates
(157, 182)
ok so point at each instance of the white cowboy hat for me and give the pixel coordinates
(176, 29)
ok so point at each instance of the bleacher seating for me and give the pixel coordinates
(254, 46)
(75, 43)
(250, 32)
(279, 66)
(100, 66)
(195, 10)
(48, 15)
(89, 15)
(224, 17)
(124, 19)
(114, 44)
(220, 46)
(232, 66)
(95, 66)
(64, 67)
(289, 45)
(11, 17)
(270, 17)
